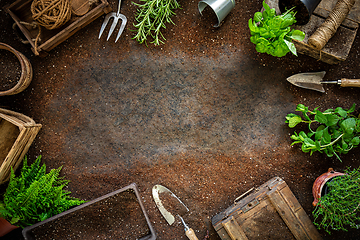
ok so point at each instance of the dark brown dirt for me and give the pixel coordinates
(202, 115)
(10, 70)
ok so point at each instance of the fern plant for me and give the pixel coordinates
(339, 209)
(35, 195)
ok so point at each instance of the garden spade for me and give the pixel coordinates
(170, 206)
(313, 81)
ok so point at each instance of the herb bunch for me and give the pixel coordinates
(151, 17)
(272, 34)
(339, 208)
(337, 132)
(35, 195)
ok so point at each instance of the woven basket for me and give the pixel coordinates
(26, 72)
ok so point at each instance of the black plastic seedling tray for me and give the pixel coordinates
(117, 215)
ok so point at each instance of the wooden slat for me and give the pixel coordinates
(233, 229)
(297, 227)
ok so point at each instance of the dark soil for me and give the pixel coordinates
(117, 217)
(202, 114)
(10, 70)
(302, 14)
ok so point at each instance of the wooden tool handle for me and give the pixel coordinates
(191, 234)
(350, 82)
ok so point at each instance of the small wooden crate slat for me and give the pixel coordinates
(17, 132)
(20, 13)
(271, 212)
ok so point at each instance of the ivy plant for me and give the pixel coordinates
(35, 195)
(337, 130)
(339, 208)
(272, 34)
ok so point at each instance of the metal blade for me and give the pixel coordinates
(308, 80)
(312, 86)
(122, 27)
(169, 217)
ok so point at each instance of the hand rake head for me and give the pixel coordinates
(116, 17)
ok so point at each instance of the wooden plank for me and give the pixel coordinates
(354, 13)
(233, 229)
(289, 217)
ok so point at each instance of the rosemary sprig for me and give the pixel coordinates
(151, 17)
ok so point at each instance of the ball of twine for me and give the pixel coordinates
(326, 31)
(51, 14)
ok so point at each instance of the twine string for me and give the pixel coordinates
(323, 34)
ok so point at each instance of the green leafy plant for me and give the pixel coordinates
(35, 195)
(151, 17)
(338, 131)
(339, 208)
(272, 34)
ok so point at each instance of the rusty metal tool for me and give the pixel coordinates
(161, 193)
(313, 81)
(116, 17)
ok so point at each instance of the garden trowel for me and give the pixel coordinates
(170, 206)
(313, 81)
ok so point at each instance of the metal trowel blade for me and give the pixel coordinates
(168, 203)
(308, 80)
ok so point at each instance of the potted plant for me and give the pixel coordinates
(337, 130)
(339, 202)
(35, 195)
(271, 33)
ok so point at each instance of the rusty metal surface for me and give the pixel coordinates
(202, 115)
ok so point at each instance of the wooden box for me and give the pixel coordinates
(17, 132)
(338, 47)
(268, 212)
(21, 13)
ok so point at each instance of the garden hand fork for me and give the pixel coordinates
(113, 25)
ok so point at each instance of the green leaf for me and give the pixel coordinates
(332, 119)
(258, 16)
(302, 135)
(291, 47)
(341, 112)
(355, 141)
(352, 109)
(297, 35)
(294, 120)
(302, 108)
(319, 133)
(348, 125)
(326, 136)
(320, 117)
(309, 142)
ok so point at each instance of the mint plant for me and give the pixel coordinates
(272, 34)
(337, 131)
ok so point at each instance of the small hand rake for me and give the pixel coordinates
(113, 25)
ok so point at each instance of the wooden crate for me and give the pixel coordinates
(338, 47)
(269, 212)
(20, 12)
(17, 132)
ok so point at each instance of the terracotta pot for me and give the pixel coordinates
(320, 183)
(26, 72)
(5, 227)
